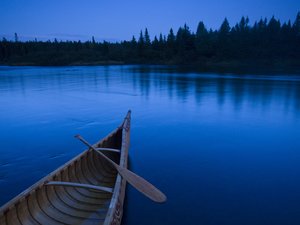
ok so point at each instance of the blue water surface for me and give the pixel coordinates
(224, 148)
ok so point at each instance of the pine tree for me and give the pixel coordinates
(133, 40)
(141, 39)
(286, 28)
(171, 37)
(201, 31)
(16, 37)
(243, 25)
(296, 25)
(147, 38)
(155, 43)
(274, 26)
(161, 39)
(201, 40)
(225, 28)
(141, 45)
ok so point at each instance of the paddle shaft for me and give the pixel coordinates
(92, 147)
(136, 181)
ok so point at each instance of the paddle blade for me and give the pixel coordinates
(142, 185)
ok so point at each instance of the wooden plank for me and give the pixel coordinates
(79, 185)
(109, 149)
(12, 217)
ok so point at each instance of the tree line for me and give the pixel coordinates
(266, 41)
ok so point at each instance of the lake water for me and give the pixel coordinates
(224, 148)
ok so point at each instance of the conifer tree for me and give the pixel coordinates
(161, 39)
(296, 25)
(201, 31)
(171, 37)
(147, 38)
(201, 34)
(155, 43)
(243, 25)
(141, 38)
(225, 28)
(133, 40)
(141, 45)
(16, 37)
(273, 26)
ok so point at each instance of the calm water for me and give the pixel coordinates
(224, 148)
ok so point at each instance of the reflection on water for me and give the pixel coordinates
(225, 148)
(255, 90)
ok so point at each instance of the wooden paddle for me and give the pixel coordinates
(136, 181)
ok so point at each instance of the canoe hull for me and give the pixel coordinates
(44, 204)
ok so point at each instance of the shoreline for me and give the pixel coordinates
(234, 66)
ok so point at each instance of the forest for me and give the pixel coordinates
(265, 42)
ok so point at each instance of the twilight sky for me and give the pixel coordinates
(115, 20)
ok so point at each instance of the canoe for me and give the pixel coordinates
(85, 190)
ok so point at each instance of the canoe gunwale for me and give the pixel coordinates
(115, 211)
(10, 205)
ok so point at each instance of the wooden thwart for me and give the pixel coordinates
(79, 185)
(108, 149)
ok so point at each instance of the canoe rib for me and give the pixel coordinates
(84, 190)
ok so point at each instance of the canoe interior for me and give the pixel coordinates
(42, 204)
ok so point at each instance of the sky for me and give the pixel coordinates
(116, 20)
